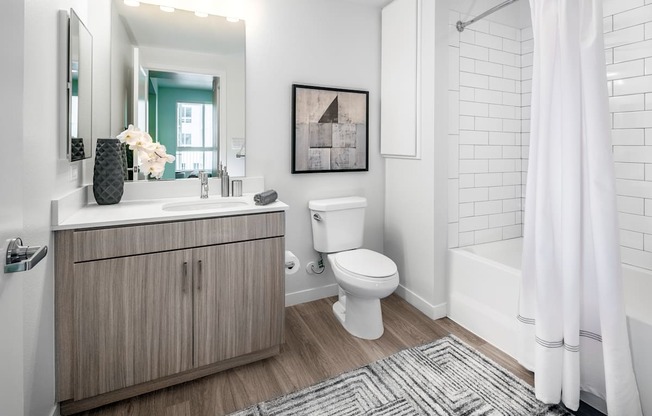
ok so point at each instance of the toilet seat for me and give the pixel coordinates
(366, 264)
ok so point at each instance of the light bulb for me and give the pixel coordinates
(201, 14)
(232, 19)
(167, 9)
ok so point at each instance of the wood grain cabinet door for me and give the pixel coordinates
(239, 299)
(132, 319)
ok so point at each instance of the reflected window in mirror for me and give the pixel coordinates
(195, 140)
(180, 114)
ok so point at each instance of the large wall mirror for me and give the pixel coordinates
(180, 75)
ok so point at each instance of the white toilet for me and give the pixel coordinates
(364, 276)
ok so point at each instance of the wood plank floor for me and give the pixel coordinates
(317, 347)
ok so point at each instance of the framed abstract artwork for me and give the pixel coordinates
(330, 129)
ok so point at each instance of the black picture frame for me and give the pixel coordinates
(330, 129)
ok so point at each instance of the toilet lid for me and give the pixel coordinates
(366, 263)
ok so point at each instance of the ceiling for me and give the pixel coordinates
(181, 80)
(149, 26)
(373, 3)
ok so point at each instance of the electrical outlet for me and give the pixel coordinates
(74, 173)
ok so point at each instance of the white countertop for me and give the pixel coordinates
(151, 210)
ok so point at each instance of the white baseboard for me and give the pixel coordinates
(309, 295)
(428, 309)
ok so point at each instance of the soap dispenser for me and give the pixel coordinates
(224, 175)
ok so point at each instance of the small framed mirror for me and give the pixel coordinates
(79, 87)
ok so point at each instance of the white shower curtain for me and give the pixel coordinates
(573, 331)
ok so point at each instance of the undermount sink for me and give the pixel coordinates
(203, 205)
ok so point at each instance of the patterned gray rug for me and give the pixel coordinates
(445, 377)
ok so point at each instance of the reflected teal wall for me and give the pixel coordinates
(167, 117)
(152, 126)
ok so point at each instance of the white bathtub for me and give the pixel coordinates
(483, 297)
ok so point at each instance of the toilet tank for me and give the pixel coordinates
(337, 223)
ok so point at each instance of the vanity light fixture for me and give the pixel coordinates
(201, 14)
(167, 9)
(232, 19)
(132, 3)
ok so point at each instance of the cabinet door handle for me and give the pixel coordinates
(185, 276)
(199, 275)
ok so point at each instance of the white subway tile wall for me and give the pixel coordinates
(628, 43)
(489, 96)
(485, 95)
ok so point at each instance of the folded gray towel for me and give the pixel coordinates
(266, 197)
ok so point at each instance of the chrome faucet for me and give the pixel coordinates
(203, 179)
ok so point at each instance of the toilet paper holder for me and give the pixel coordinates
(292, 263)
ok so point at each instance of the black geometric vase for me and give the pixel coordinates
(77, 149)
(123, 159)
(108, 178)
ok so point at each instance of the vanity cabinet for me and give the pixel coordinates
(133, 321)
(237, 299)
(143, 307)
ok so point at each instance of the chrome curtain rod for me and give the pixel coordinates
(461, 25)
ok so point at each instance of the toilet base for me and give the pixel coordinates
(361, 317)
(338, 310)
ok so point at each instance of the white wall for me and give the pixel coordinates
(122, 56)
(11, 218)
(98, 22)
(318, 42)
(44, 177)
(416, 190)
(235, 114)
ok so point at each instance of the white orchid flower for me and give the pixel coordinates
(161, 153)
(159, 148)
(144, 147)
(134, 136)
(154, 168)
(144, 141)
(129, 135)
(152, 155)
(143, 155)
